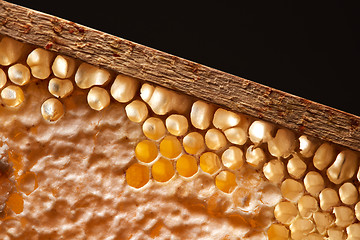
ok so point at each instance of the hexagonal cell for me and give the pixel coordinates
(210, 162)
(146, 151)
(27, 182)
(170, 147)
(186, 165)
(226, 181)
(137, 175)
(162, 170)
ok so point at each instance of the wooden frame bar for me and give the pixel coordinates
(235, 93)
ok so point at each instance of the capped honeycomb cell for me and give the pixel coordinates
(348, 193)
(154, 128)
(328, 199)
(12, 96)
(226, 181)
(314, 183)
(296, 167)
(124, 88)
(186, 165)
(224, 119)
(87, 76)
(292, 190)
(232, 158)
(274, 170)
(194, 143)
(260, 131)
(136, 111)
(285, 212)
(255, 156)
(344, 216)
(162, 170)
(283, 144)
(236, 135)
(307, 205)
(215, 139)
(176, 124)
(308, 146)
(19, 74)
(60, 88)
(201, 115)
(146, 151)
(324, 156)
(10, 51)
(170, 147)
(301, 228)
(98, 98)
(210, 162)
(63, 66)
(344, 167)
(323, 221)
(137, 175)
(39, 61)
(278, 232)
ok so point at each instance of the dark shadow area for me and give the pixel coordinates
(307, 48)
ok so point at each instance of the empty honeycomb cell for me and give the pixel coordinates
(146, 151)
(232, 158)
(137, 175)
(215, 139)
(27, 183)
(16, 202)
(226, 181)
(162, 170)
(210, 162)
(278, 232)
(170, 147)
(193, 143)
(154, 128)
(186, 165)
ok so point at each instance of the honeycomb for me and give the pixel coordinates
(87, 153)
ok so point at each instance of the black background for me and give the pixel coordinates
(307, 48)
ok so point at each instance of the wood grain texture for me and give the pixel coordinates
(191, 78)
